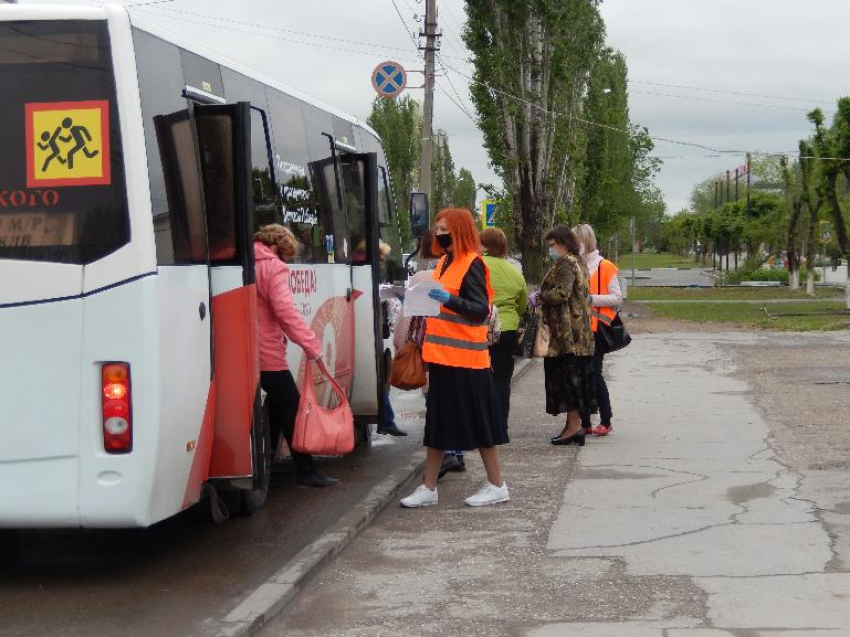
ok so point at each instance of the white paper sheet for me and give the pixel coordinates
(418, 303)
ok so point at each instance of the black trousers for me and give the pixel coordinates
(282, 400)
(601, 387)
(502, 362)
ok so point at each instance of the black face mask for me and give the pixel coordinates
(444, 240)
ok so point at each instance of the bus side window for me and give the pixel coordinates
(178, 151)
(179, 226)
(239, 88)
(215, 134)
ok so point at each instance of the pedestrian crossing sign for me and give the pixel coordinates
(488, 213)
(68, 144)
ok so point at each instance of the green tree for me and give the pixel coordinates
(832, 147)
(532, 62)
(465, 190)
(443, 177)
(399, 124)
(606, 194)
(812, 204)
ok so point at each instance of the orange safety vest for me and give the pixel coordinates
(605, 314)
(450, 339)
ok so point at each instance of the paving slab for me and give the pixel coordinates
(806, 602)
(686, 522)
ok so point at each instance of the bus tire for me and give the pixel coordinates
(254, 499)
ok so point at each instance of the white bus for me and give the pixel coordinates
(134, 170)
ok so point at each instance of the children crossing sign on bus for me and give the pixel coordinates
(68, 144)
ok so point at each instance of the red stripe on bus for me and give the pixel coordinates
(203, 446)
(237, 374)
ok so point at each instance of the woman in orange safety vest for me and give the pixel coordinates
(462, 407)
(605, 300)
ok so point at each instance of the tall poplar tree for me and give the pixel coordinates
(532, 62)
(832, 146)
(399, 124)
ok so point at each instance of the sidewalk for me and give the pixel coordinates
(683, 523)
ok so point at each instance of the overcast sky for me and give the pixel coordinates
(786, 56)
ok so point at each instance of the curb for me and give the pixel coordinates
(272, 596)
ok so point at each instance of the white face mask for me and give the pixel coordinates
(553, 254)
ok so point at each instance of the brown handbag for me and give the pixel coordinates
(541, 341)
(408, 368)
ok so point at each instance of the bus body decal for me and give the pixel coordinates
(334, 324)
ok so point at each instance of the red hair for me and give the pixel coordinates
(462, 227)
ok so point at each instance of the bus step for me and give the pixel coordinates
(218, 508)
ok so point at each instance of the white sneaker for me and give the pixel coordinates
(422, 497)
(489, 494)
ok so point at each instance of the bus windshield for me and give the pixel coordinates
(62, 190)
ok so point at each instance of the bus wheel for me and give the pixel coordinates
(254, 499)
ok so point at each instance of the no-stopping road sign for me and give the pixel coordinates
(389, 79)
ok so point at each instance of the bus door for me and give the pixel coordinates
(206, 154)
(359, 177)
(224, 150)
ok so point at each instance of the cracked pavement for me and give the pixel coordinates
(696, 518)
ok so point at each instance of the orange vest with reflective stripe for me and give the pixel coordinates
(451, 339)
(605, 314)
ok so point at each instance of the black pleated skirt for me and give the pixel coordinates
(462, 410)
(569, 385)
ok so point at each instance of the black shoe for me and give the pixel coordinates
(315, 478)
(577, 438)
(453, 464)
(391, 430)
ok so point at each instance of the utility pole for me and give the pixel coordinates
(430, 48)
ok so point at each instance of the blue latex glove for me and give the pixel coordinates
(439, 295)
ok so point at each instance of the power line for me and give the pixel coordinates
(597, 124)
(728, 92)
(270, 36)
(716, 101)
(449, 36)
(454, 88)
(725, 92)
(276, 29)
(404, 24)
(462, 109)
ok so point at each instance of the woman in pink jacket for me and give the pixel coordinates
(279, 322)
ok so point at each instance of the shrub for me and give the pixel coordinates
(762, 274)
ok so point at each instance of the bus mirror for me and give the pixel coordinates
(418, 214)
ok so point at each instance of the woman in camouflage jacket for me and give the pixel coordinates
(565, 305)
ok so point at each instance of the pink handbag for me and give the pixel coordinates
(322, 431)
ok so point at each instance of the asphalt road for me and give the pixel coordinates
(182, 576)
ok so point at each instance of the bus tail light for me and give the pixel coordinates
(117, 413)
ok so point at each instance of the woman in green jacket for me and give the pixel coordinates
(511, 301)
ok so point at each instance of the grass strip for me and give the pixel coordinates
(638, 293)
(801, 317)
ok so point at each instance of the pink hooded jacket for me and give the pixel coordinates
(278, 318)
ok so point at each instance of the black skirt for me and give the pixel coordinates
(462, 409)
(569, 385)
